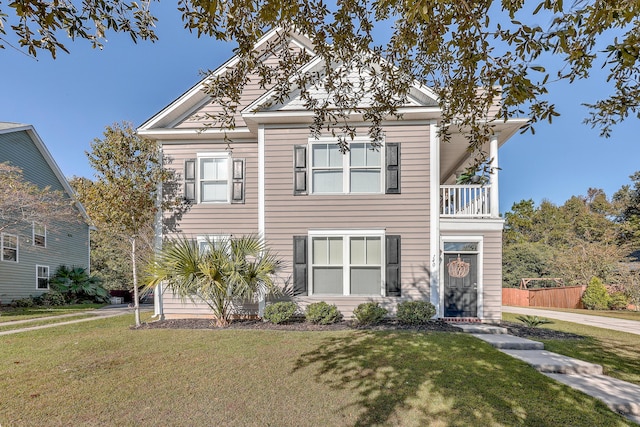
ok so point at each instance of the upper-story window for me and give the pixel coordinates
(39, 235)
(357, 171)
(214, 178)
(9, 244)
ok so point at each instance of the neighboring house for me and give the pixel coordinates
(385, 225)
(32, 252)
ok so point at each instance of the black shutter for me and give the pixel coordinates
(393, 266)
(300, 265)
(299, 170)
(237, 181)
(190, 180)
(393, 168)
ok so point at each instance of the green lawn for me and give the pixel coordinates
(617, 352)
(104, 373)
(7, 326)
(8, 314)
(619, 314)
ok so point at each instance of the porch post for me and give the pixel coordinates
(494, 195)
(434, 217)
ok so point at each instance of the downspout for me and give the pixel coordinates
(158, 309)
(434, 217)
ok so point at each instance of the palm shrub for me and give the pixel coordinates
(280, 312)
(596, 297)
(226, 272)
(533, 321)
(322, 313)
(78, 286)
(415, 312)
(369, 313)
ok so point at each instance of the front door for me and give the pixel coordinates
(460, 285)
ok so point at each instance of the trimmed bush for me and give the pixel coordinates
(618, 301)
(23, 302)
(50, 299)
(596, 297)
(369, 313)
(280, 312)
(322, 313)
(415, 312)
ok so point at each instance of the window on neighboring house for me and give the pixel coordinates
(42, 277)
(357, 171)
(39, 235)
(214, 178)
(347, 265)
(9, 247)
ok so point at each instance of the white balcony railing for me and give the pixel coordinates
(465, 201)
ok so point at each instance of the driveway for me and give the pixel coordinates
(629, 326)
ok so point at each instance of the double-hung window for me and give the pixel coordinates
(347, 264)
(216, 240)
(39, 235)
(213, 178)
(42, 277)
(9, 244)
(359, 170)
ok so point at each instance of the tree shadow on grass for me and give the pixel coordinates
(443, 379)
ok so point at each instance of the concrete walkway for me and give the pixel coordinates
(620, 396)
(101, 313)
(623, 325)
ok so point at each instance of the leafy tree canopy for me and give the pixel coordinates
(453, 47)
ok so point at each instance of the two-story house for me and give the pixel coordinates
(31, 252)
(384, 225)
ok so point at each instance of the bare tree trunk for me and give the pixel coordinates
(136, 297)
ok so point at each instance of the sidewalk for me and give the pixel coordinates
(101, 313)
(620, 396)
(622, 325)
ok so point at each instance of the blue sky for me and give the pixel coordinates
(71, 99)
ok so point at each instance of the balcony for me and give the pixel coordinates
(466, 201)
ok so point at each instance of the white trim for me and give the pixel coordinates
(213, 155)
(472, 224)
(434, 218)
(494, 194)
(38, 266)
(261, 178)
(346, 236)
(480, 270)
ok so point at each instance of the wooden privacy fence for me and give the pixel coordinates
(564, 297)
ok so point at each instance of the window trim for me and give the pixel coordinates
(346, 168)
(213, 155)
(34, 234)
(38, 266)
(2, 247)
(205, 238)
(346, 236)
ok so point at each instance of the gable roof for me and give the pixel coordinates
(9, 127)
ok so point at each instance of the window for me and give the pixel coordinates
(39, 235)
(42, 277)
(347, 264)
(214, 179)
(357, 171)
(204, 242)
(9, 247)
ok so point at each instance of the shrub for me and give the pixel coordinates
(23, 302)
(618, 301)
(78, 286)
(322, 313)
(415, 312)
(596, 297)
(369, 313)
(280, 312)
(533, 321)
(51, 298)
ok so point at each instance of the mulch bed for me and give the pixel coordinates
(386, 325)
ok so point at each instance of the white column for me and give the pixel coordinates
(158, 309)
(434, 218)
(494, 195)
(261, 164)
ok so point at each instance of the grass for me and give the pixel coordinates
(7, 326)
(617, 352)
(619, 314)
(104, 373)
(9, 314)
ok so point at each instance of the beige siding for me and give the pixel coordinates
(405, 214)
(219, 218)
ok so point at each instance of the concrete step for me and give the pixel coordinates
(548, 362)
(618, 395)
(480, 328)
(503, 341)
